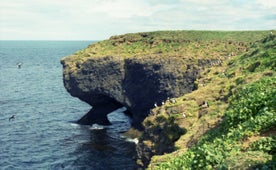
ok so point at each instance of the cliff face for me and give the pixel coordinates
(138, 70)
(109, 82)
(232, 124)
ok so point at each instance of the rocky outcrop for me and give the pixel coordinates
(138, 70)
(159, 136)
(109, 82)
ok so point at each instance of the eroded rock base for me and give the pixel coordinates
(98, 114)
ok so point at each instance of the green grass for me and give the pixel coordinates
(238, 130)
(251, 112)
(172, 43)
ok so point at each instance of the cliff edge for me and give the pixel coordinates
(140, 70)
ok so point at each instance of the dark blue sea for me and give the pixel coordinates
(43, 134)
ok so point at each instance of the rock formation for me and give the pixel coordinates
(138, 70)
(108, 83)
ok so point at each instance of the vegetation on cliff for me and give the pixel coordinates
(137, 70)
(191, 45)
(237, 129)
(221, 84)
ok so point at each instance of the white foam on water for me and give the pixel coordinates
(96, 127)
(135, 140)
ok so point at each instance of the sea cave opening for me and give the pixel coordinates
(120, 120)
(106, 111)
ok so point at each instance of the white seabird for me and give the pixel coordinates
(19, 65)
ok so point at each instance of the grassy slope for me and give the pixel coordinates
(235, 132)
(183, 44)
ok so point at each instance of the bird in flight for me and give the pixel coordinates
(12, 117)
(19, 65)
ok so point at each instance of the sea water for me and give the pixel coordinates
(42, 135)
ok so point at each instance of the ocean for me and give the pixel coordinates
(43, 134)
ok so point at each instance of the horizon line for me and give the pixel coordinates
(211, 30)
(44, 40)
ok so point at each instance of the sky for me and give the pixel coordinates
(100, 19)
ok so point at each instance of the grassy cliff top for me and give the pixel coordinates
(184, 44)
(237, 129)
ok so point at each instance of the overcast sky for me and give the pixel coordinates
(100, 19)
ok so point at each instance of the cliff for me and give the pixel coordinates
(229, 120)
(180, 71)
(108, 82)
(138, 70)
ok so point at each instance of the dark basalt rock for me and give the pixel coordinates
(98, 114)
(110, 82)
